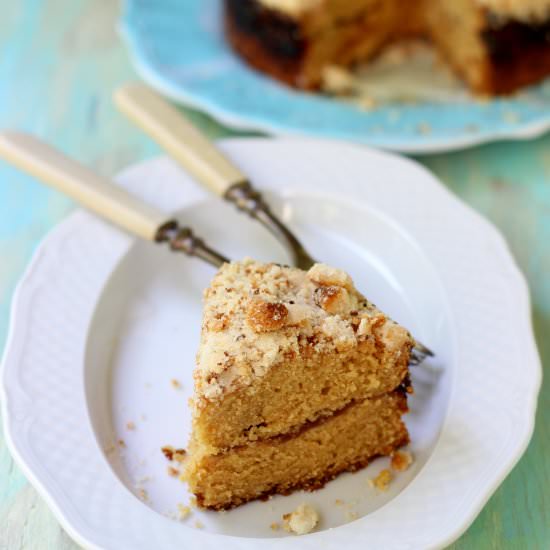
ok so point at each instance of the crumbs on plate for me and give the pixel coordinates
(183, 512)
(382, 480)
(401, 460)
(302, 521)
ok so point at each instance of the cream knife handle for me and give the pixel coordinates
(78, 182)
(174, 133)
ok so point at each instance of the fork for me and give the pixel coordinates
(210, 168)
(113, 203)
(98, 194)
(188, 146)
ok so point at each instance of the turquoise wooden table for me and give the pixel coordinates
(59, 63)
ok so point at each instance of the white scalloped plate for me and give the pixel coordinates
(102, 323)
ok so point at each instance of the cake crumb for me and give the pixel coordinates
(172, 472)
(351, 516)
(179, 455)
(382, 480)
(130, 426)
(302, 521)
(121, 443)
(401, 460)
(168, 451)
(193, 501)
(274, 526)
(176, 384)
(183, 512)
(339, 502)
(172, 454)
(142, 494)
(198, 524)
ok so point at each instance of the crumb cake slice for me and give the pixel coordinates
(299, 377)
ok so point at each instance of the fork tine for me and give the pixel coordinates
(419, 354)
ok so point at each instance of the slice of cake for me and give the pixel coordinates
(298, 378)
(497, 46)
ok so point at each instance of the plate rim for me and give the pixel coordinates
(15, 312)
(77, 216)
(252, 123)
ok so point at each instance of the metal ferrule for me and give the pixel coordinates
(250, 200)
(182, 239)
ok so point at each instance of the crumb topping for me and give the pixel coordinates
(266, 316)
(523, 10)
(302, 521)
(290, 7)
(257, 315)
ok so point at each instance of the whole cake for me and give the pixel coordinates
(497, 46)
(298, 379)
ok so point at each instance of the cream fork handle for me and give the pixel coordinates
(39, 159)
(174, 133)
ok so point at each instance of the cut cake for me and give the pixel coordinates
(497, 46)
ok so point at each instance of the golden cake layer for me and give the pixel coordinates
(346, 441)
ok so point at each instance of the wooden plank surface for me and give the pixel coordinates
(60, 61)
